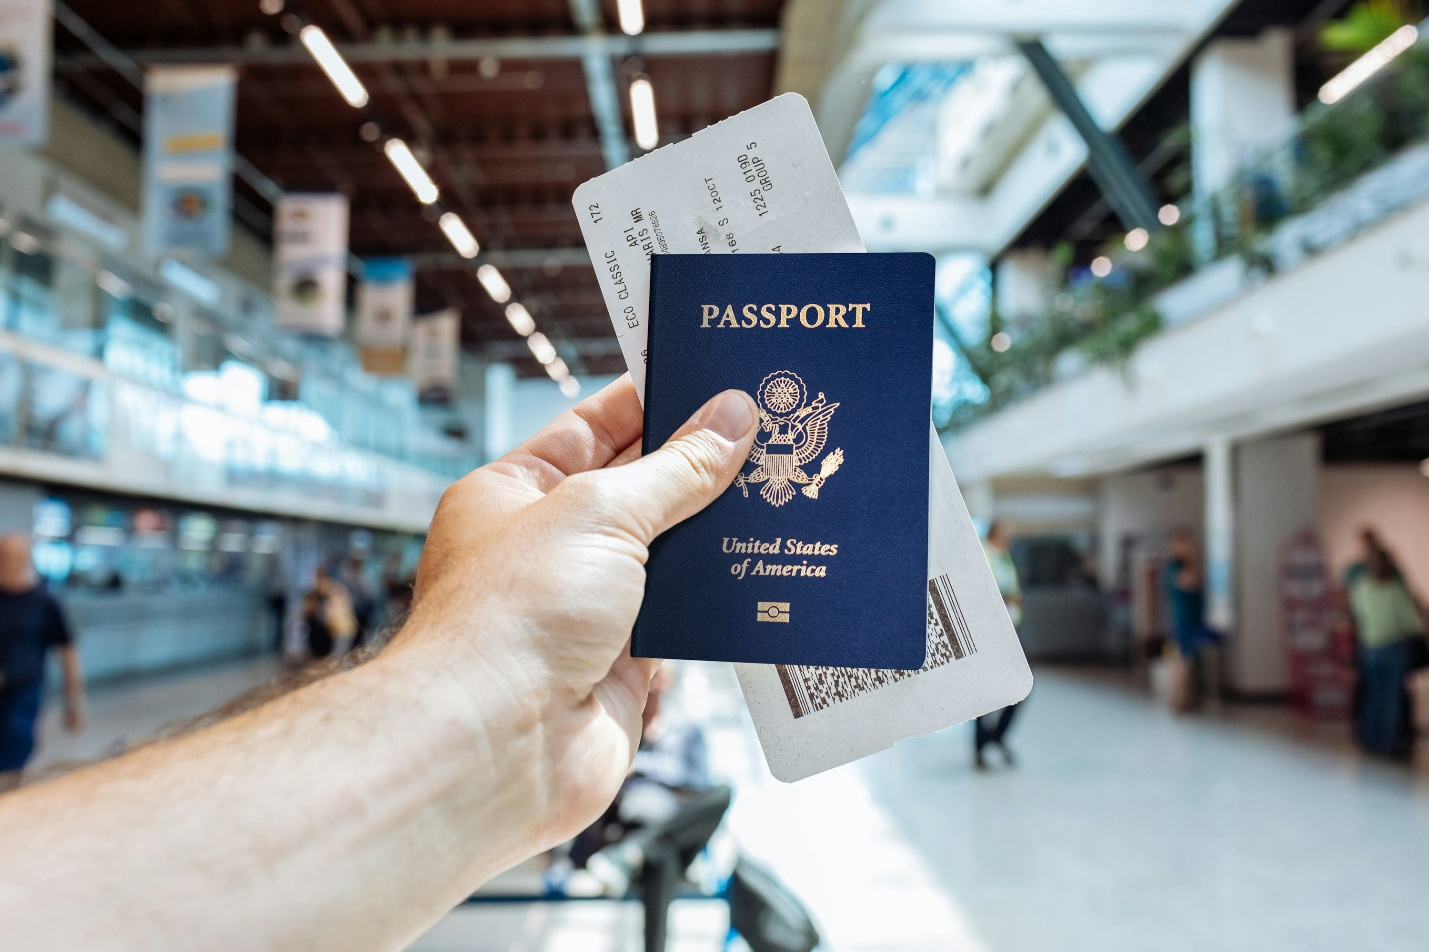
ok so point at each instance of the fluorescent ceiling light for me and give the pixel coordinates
(494, 283)
(571, 387)
(541, 347)
(632, 16)
(459, 235)
(642, 112)
(1358, 72)
(557, 370)
(519, 318)
(334, 65)
(421, 183)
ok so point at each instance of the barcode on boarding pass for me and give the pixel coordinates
(812, 689)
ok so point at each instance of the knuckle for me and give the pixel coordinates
(703, 459)
(585, 491)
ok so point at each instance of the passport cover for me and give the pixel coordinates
(818, 553)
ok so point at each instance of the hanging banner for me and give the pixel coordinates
(384, 315)
(434, 356)
(188, 159)
(310, 263)
(24, 72)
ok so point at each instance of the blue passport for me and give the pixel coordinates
(818, 554)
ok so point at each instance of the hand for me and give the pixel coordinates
(74, 716)
(531, 579)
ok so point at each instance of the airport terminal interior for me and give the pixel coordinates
(275, 273)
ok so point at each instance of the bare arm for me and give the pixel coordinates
(73, 678)
(353, 813)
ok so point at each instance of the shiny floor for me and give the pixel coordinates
(1121, 828)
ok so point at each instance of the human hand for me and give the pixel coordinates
(530, 582)
(74, 716)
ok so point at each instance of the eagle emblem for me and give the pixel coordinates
(792, 434)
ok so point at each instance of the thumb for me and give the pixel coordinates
(689, 472)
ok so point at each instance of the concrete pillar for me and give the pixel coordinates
(1277, 496)
(1242, 101)
(1219, 528)
(980, 502)
(1024, 283)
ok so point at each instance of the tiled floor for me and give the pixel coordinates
(1122, 828)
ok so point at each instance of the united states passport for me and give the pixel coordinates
(818, 553)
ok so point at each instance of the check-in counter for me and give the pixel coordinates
(128, 633)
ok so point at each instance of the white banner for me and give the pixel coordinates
(310, 263)
(188, 159)
(24, 71)
(434, 356)
(384, 303)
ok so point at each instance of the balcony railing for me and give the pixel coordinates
(56, 294)
(1344, 169)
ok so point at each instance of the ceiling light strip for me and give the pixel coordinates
(399, 153)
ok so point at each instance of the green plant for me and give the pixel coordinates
(1368, 23)
(1106, 320)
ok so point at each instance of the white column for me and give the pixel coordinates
(1219, 528)
(1242, 101)
(1277, 489)
(980, 501)
(1025, 281)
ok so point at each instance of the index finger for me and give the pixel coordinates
(586, 437)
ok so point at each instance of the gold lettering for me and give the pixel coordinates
(803, 318)
(707, 313)
(750, 317)
(766, 315)
(727, 319)
(836, 315)
(858, 310)
(786, 311)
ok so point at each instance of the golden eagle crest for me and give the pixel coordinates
(791, 436)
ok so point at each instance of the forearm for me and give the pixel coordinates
(378, 790)
(73, 676)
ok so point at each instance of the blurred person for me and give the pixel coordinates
(397, 587)
(352, 574)
(501, 720)
(1183, 581)
(670, 762)
(992, 728)
(327, 616)
(1371, 546)
(1389, 628)
(662, 818)
(31, 624)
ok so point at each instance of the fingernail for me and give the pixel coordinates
(730, 415)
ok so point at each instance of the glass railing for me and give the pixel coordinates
(1344, 169)
(66, 418)
(141, 330)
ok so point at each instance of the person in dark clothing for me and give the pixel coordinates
(31, 624)
(991, 729)
(327, 616)
(663, 817)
